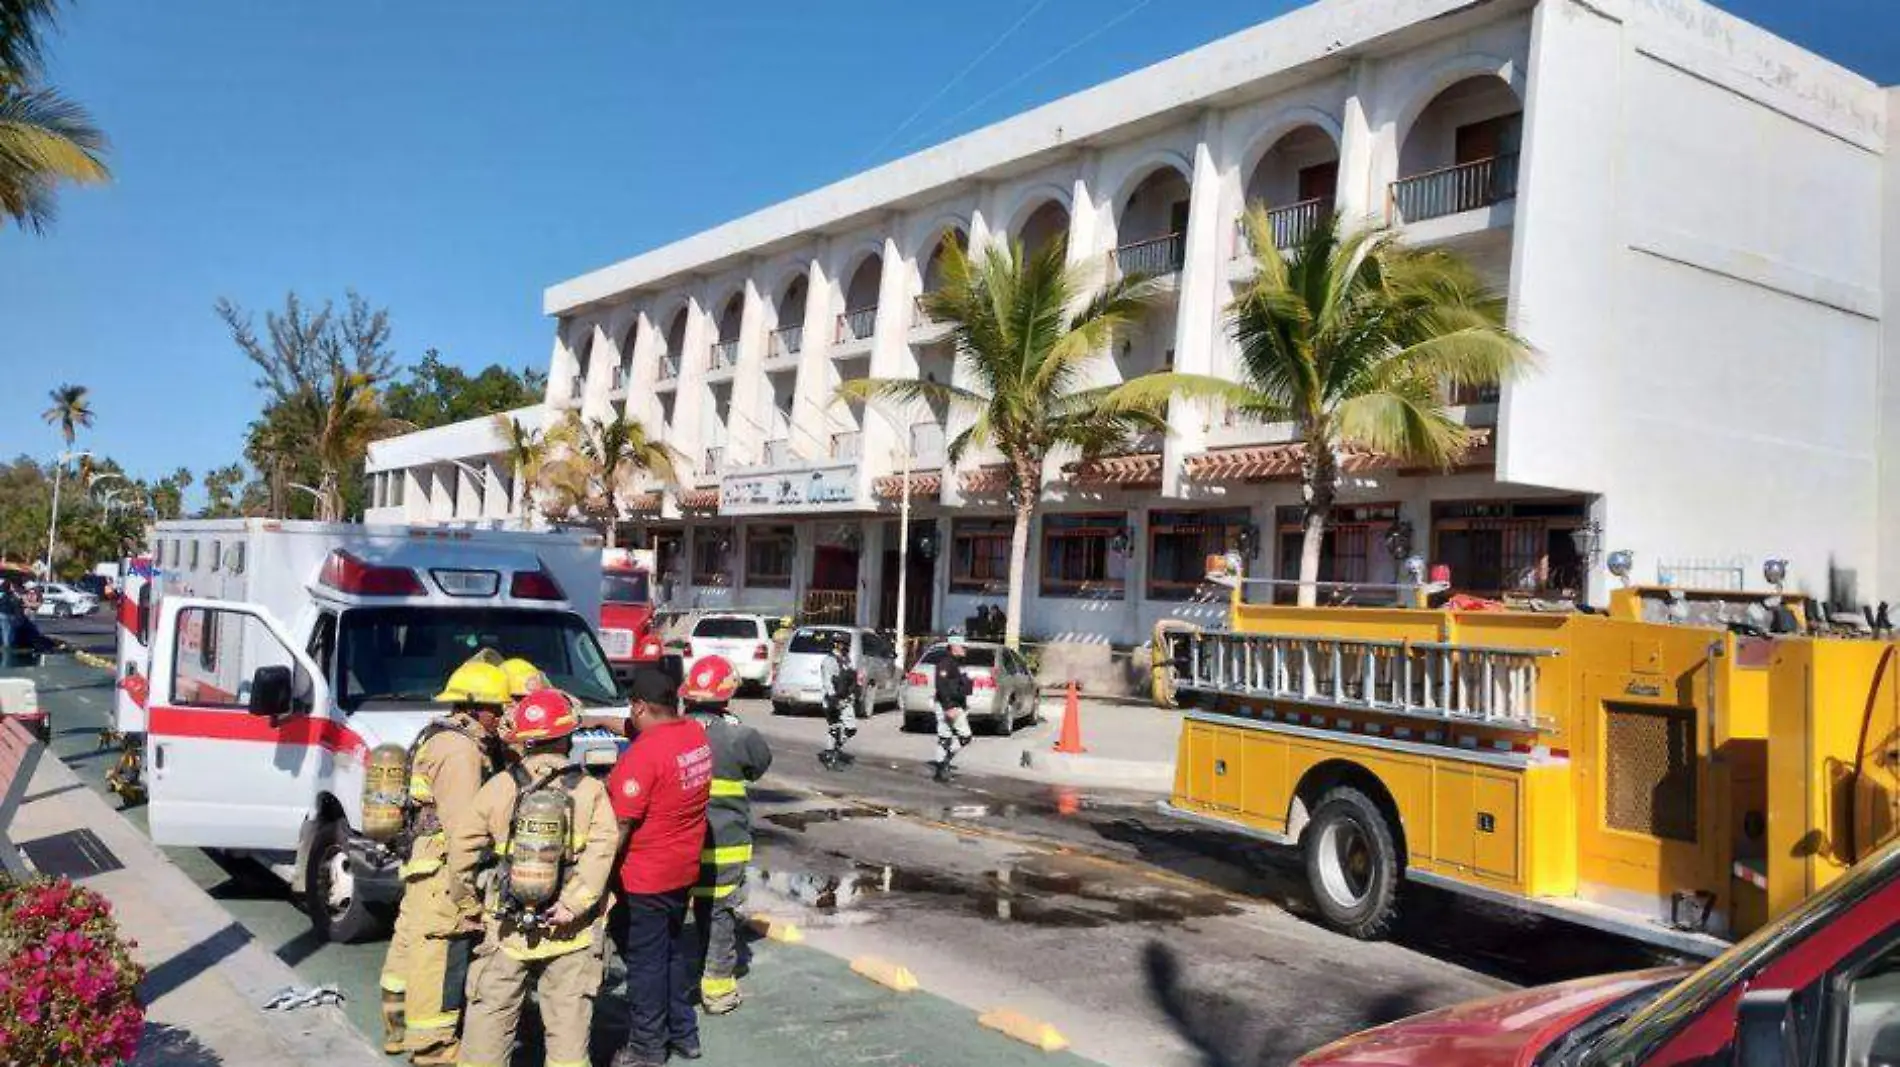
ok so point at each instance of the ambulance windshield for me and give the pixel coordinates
(399, 657)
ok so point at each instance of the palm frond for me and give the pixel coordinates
(45, 139)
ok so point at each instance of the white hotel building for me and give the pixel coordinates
(1697, 224)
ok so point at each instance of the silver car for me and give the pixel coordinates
(1002, 689)
(800, 683)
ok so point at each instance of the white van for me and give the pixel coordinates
(277, 655)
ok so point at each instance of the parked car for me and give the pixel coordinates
(745, 641)
(63, 601)
(799, 684)
(1003, 691)
(1820, 985)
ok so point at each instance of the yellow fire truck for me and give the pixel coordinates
(1663, 769)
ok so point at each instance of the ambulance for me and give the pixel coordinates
(263, 660)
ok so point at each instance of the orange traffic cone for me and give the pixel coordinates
(1071, 739)
(1068, 801)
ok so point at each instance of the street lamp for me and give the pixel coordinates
(52, 527)
(903, 451)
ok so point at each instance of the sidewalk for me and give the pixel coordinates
(1130, 746)
(205, 976)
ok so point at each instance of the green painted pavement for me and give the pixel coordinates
(802, 1006)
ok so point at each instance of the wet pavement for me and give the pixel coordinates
(1145, 940)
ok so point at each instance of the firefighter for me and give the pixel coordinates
(740, 757)
(550, 829)
(841, 703)
(429, 951)
(523, 677)
(953, 705)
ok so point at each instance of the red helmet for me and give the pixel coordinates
(711, 681)
(543, 715)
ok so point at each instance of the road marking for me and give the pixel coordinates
(777, 929)
(885, 973)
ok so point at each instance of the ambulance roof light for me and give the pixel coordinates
(345, 573)
(535, 585)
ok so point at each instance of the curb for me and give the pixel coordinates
(772, 929)
(885, 973)
(1072, 769)
(1033, 1032)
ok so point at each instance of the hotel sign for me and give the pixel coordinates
(814, 489)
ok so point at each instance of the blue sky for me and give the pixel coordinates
(450, 160)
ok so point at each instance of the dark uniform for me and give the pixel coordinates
(740, 757)
(953, 703)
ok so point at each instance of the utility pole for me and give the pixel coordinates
(52, 526)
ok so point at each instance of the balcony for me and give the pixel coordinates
(1291, 225)
(1451, 190)
(1152, 258)
(926, 444)
(619, 383)
(923, 328)
(669, 368)
(723, 356)
(785, 343)
(847, 445)
(714, 459)
(778, 453)
(857, 324)
(577, 388)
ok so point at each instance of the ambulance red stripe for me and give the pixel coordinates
(243, 726)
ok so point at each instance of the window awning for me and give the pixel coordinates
(991, 479)
(1281, 462)
(699, 499)
(1125, 471)
(644, 504)
(922, 484)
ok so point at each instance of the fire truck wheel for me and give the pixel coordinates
(336, 910)
(1352, 864)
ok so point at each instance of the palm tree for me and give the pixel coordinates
(71, 410)
(527, 451)
(44, 138)
(1024, 336)
(343, 420)
(599, 460)
(1353, 339)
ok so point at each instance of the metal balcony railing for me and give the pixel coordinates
(620, 377)
(1464, 187)
(669, 368)
(1155, 256)
(857, 324)
(715, 458)
(926, 443)
(920, 314)
(1465, 395)
(778, 452)
(787, 341)
(847, 445)
(724, 354)
(577, 388)
(1291, 225)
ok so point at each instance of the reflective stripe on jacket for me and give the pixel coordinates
(740, 757)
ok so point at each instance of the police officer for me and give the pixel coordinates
(840, 680)
(740, 757)
(558, 948)
(423, 974)
(953, 705)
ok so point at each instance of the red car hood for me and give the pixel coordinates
(1501, 1031)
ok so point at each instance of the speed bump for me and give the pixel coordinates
(1029, 1031)
(776, 929)
(885, 973)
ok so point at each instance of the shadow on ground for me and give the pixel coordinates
(168, 1046)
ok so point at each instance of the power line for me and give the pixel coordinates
(1031, 72)
(960, 75)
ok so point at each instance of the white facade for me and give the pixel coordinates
(1696, 224)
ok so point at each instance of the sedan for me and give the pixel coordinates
(1002, 688)
(799, 684)
(63, 601)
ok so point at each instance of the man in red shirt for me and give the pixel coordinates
(659, 790)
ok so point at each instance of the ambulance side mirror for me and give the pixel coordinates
(271, 691)
(1765, 1030)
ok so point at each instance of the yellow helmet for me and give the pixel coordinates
(523, 677)
(476, 682)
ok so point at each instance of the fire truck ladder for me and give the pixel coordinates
(1428, 680)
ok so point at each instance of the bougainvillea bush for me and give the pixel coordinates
(68, 983)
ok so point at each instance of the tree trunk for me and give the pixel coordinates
(1018, 565)
(329, 499)
(1319, 484)
(613, 530)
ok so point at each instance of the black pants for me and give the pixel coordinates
(660, 954)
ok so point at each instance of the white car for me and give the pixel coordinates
(63, 601)
(745, 641)
(800, 681)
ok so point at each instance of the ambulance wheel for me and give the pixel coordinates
(336, 910)
(1352, 864)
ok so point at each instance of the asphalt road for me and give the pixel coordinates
(1145, 941)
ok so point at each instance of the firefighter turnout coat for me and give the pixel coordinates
(593, 840)
(740, 757)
